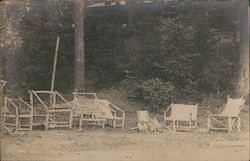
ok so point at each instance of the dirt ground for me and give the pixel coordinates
(94, 144)
(97, 144)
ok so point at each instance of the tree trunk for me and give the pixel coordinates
(79, 71)
(131, 9)
(243, 85)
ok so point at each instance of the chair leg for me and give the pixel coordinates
(238, 124)
(208, 123)
(230, 124)
(103, 124)
(174, 128)
(123, 119)
(80, 123)
(31, 123)
(47, 121)
(17, 122)
(114, 123)
(70, 119)
(190, 124)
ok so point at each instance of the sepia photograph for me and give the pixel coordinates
(124, 80)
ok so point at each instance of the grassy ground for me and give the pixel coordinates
(94, 144)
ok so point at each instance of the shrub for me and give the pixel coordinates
(155, 93)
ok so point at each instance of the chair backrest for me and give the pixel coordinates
(142, 116)
(233, 107)
(105, 109)
(85, 102)
(184, 112)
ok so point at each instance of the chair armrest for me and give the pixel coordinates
(217, 115)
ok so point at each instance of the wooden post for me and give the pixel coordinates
(238, 124)
(230, 124)
(114, 121)
(52, 87)
(32, 110)
(47, 120)
(5, 106)
(123, 119)
(190, 124)
(31, 119)
(195, 124)
(80, 123)
(103, 123)
(54, 99)
(70, 118)
(208, 123)
(190, 121)
(17, 119)
(174, 125)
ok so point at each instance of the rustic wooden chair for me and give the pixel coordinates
(181, 113)
(229, 118)
(53, 113)
(18, 114)
(86, 107)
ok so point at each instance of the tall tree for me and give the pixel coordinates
(243, 85)
(131, 9)
(79, 71)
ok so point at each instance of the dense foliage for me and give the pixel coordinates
(169, 53)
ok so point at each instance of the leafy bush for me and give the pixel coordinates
(155, 93)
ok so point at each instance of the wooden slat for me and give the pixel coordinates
(9, 124)
(168, 108)
(38, 123)
(40, 100)
(24, 116)
(106, 106)
(39, 108)
(62, 125)
(37, 115)
(11, 116)
(224, 125)
(59, 110)
(215, 128)
(24, 125)
(8, 130)
(24, 102)
(9, 100)
(55, 126)
(92, 119)
(43, 92)
(24, 129)
(63, 98)
(116, 107)
(59, 122)
(186, 127)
